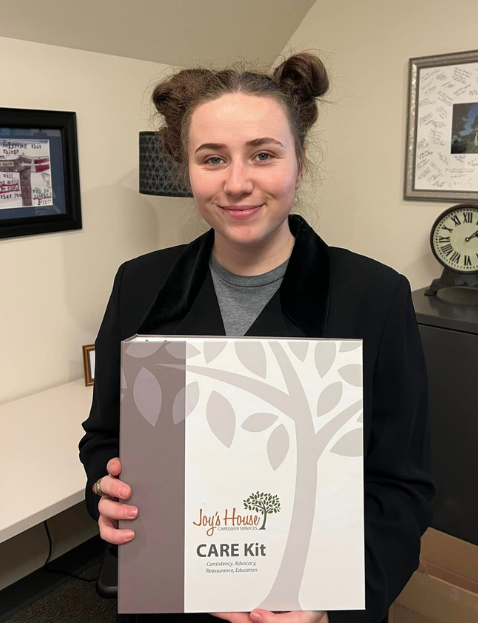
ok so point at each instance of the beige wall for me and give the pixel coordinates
(55, 286)
(367, 45)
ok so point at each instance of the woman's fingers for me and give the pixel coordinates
(265, 616)
(111, 484)
(115, 488)
(115, 510)
(301, 616)
(113, 467)
(110, 509)
(232, 617)
(110, 533)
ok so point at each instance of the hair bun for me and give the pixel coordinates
(303, 75)
(172, 97)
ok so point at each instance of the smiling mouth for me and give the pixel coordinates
(241, 207)
(241, 212)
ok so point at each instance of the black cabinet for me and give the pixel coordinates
(449, 332)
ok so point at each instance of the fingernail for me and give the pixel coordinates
(255, 616)
(132, 512)
(124, 492)
(129, 535)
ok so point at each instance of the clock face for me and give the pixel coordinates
(454, 238)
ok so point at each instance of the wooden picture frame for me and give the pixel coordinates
(89, 363)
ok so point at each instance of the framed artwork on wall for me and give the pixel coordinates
(89, 363)
(442, 132)
(39, 173)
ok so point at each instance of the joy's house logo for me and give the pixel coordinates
(260, 503)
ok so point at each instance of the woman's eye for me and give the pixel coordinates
(211, 158)
(262, 153)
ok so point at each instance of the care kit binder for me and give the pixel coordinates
(245, 459)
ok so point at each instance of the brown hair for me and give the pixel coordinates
(294, 84)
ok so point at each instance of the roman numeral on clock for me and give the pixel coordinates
(447, 249)
(455, 257)
(467, 260)
(448, 229)
(443, 238)
(468, 217)
(456, 219)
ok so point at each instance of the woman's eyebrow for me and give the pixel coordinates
(256, 142)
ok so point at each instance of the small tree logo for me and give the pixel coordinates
(263, 503)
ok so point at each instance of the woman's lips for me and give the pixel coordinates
(240, 213)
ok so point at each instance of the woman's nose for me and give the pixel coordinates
(238, 179)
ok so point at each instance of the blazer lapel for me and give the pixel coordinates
(305, 289)
(186, 304)
(272, 322)
(204, 317)
(179, 291)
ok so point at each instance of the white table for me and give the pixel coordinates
(40, 472)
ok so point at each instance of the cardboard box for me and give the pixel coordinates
(445, 587)
(245, 460)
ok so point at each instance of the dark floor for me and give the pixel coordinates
(45, 597)
(73, 601)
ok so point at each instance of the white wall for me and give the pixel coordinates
(367, 45)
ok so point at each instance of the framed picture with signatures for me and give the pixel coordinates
(442, 136)
(39, 174)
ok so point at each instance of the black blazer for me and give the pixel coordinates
(326, 292)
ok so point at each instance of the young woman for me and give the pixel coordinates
(239, 139)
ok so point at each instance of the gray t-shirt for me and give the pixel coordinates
(242, 298)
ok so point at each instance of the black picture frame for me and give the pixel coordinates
(38, 194)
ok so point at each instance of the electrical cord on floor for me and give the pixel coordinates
(60, 571)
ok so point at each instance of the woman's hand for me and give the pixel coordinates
(111, 510)
(264, 616)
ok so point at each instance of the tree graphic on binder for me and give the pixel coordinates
(263, 503)
(312, 436)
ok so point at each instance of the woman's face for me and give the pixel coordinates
(243, 190)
